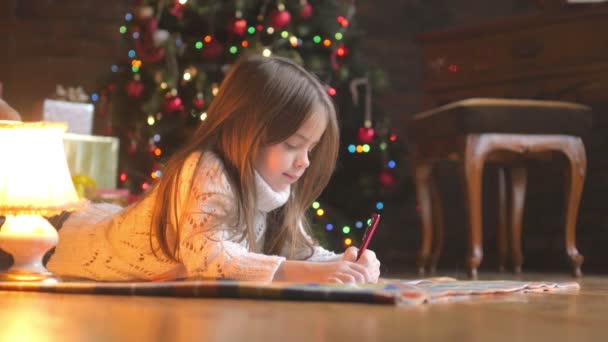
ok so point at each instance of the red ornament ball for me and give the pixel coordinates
(279, 19)
(306, 11)
(366, 135)
(239, 26)
(198, 103)
(174, 104)
(134, 88)
(212, 50)
(387, 179)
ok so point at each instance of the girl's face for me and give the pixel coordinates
(284, 163)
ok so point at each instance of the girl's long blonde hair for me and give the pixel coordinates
(262, 101)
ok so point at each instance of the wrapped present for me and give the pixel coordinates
(95, 157)
(78, 116)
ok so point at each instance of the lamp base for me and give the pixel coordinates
(27, 238)
(24, 276)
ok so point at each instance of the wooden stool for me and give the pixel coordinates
(476, 131)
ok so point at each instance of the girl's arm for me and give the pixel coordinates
(205, 242)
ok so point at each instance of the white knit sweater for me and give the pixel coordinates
(107, 242)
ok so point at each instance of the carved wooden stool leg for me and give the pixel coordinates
(502, 236)
(423, 194)
(518, 196)
(437, 212)
(574, 178)
(474, 158)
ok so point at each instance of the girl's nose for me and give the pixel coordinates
(303, 161)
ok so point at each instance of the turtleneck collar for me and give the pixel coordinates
(268, 199)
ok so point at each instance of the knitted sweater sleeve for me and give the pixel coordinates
(207, 246)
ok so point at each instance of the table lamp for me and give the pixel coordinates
(34, 182)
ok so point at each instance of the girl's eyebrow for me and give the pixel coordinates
(301, 136)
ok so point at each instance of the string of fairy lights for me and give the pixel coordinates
(273, 21)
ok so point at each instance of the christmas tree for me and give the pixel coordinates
(181, 50)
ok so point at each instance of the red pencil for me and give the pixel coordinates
(369, 232)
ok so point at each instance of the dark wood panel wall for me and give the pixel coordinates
(50, 42)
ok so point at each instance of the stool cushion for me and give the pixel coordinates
(487, 115)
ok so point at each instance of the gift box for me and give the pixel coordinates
(95, 157)
(78, 116)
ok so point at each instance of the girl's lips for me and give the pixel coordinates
(293, 178)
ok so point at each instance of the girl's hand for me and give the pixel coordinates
(324, 272)
(368, 260)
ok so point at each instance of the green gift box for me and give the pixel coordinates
(93, 156)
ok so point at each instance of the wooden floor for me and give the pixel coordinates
(526, 317)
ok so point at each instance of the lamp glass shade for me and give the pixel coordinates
(34, 175)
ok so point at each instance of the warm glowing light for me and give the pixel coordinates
(359, 149)
(214, 89)
(266, 52)
(270, 30)
(348, 241)
(393, 137)
(342, 21)
(293, 40)
(203, 116)
(136, 63)
(207, 39)
(187, 76)
(145, 185)
(245, 43)
(164, 85)
(151, 120)
(183, 2)
(327, 43)
(157, 152)
(320, 212)
(331, 91)
(123, 177)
